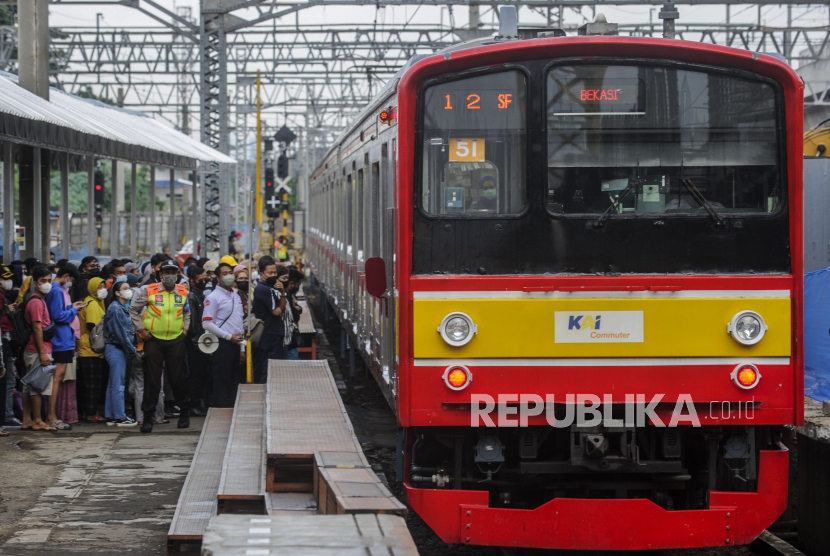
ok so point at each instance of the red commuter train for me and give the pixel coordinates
(593, 243)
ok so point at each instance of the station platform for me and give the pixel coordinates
(814, 480)
(286, 454)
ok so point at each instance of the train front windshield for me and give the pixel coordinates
(674, 133)
(601, 166)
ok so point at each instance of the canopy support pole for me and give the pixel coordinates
(9, 232)
(172, 227)
(154, 246)
(133, 214)
(65, 227)
(37, 202)
(91, 236)
(114, 224)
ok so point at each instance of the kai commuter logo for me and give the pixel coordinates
(583, 322)
(597, 327)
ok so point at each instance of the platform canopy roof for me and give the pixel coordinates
(88, 127)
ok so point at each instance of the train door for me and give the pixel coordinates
(387, 235)
(376, 214)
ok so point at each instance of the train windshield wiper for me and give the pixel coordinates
(616, 202)
(701, 200)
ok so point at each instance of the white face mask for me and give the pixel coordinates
(45, 288)
(54, 276)
(67, 285)
(7, 285)
(126, 294)
(102, 294)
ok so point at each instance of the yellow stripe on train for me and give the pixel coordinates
(594, 327)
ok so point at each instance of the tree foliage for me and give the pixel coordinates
(78, 189)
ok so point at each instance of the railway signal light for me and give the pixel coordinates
(98, 188)
(271, 203)
(282, 166)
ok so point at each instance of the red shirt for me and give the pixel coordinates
(36, 311)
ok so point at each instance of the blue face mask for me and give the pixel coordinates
(120, 279)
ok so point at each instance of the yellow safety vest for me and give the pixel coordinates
(164, 318)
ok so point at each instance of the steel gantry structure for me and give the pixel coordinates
(316, 77)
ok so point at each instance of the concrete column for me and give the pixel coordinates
(133, 212)
(91, 233)
(33, 69)
(64, 221)
(113, 239)
(9, 235)
(154, 247)
(33, 47)
(171, 228)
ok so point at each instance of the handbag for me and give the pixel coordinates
(39, 378)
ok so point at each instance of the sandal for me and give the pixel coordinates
(95, 419)
(4, 432)
(162, 422)
(61, 426)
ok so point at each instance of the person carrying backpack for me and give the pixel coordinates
(63, 344)
(38, 350)
(93, 367)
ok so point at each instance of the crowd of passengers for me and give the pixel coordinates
(122, 339)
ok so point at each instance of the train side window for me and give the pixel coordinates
(474, 157)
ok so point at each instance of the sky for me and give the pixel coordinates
(85, 15)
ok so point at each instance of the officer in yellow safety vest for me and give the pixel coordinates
(161, 316)
(282, 248)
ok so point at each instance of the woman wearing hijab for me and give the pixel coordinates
(93, 366)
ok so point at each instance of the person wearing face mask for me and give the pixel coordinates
(488, 193)
(162, 328)
(63, 313)
(120, 348)
(117, 273)
(269, 307)
(39, 348)
(92, 366)
(8, 376)
(295, 280)
(199, 363)
(29, 264)
(210, 269)
(90, 268)
(240, 272)
(223, 317)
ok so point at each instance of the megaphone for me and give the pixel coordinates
(208, 343)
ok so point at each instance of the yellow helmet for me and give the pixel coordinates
(229, 260)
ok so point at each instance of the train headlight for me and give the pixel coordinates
(457, 377)
(746, 376)
(457, 329)
(747, 327)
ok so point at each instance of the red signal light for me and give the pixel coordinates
(384, 116)
(97, 187)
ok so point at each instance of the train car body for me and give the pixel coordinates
(593, 243)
